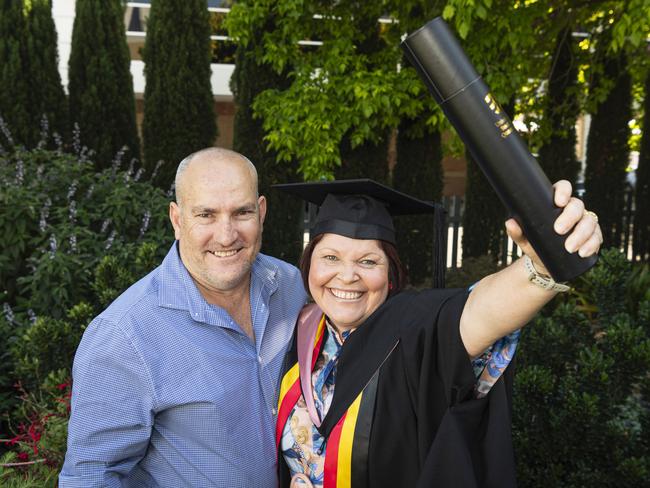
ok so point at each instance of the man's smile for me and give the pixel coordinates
(224, 254)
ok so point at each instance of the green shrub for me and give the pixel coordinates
(60, 217)
(580, 414)
(473, 270)
(33, 355)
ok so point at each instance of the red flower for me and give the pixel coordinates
(23, 456)
(15, 440)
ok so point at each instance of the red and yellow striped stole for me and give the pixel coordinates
(347, 443)
(290, 387)
(338, 456)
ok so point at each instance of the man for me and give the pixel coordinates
(175, 383)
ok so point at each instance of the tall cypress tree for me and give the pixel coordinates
(484, 213)
(100, 85)
(370, 158)
(608, 151)
(558, 156)
(367, 160)
(641, 241)
(47, 96)
(418, 172)
(14, 84)
(179, 113)
(283, 226)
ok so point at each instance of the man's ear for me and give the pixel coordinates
(261, 203)
(175, 217)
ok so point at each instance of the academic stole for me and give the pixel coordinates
(346, 456)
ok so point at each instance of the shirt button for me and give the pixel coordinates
(259, 359)
(275, 411)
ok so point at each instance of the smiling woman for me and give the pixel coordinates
(386, 387)
(348, 278)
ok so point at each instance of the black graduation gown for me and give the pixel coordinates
(404, 412)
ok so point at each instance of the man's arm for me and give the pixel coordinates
(112, 409)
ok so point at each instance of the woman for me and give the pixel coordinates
(393, 388)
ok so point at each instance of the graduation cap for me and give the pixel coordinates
(364, 209)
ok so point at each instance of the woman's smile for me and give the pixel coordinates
(346, 295)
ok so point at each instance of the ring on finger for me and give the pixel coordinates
(592, 214)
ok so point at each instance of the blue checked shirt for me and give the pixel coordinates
(169, 391)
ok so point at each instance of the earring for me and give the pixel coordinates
(390, 286)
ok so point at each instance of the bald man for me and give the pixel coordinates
(175, 383)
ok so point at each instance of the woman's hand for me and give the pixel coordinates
(585, 235)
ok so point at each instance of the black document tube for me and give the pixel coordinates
(494, 143)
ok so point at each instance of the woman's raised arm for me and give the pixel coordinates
(505, 301)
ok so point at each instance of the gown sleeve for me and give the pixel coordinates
(466, 441)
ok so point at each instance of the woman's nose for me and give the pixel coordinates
(348, 273)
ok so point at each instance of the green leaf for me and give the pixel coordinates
(448, 12)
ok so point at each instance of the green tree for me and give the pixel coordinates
(418, 172)
(367, 159)
(483, 217)
(607, 148)
(47, 97)
(484, 214)
(342, 93)
(14, 85)
(338, 91)
(283, 226)
(641, 240)
(557, 156)
(179, 113)
(101, 87)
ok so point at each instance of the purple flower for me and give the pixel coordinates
(8, 313)
(45, 213)
(76, 139)
(20, 172)
(155, 170)
(72, 211)
(105, 225)
(109, 241)
(145, 223)
(58, 141)
(73, 243)
(45, 132)
(72, 189)
(117, 159)
(5, 130)
(53, 246)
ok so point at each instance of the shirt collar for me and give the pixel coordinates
(333, 333)
(178, 290)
